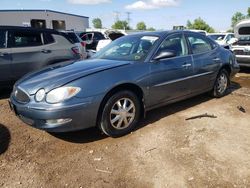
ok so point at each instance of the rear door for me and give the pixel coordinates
(206, 61)
(27, 52)
(170, 78)
(5, 58)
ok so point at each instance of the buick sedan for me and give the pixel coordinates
(123, 81)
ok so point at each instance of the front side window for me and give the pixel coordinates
(199, 44)
(2, 39)
(175, 44)
(129, 48)
(26, 39)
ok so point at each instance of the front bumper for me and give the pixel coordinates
(81, 115)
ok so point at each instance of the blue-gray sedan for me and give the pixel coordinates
(120, 83)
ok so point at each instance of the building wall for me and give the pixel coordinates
(23, 18)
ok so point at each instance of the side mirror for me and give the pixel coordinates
(232, 40)
(164, 54)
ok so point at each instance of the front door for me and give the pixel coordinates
(170, 78)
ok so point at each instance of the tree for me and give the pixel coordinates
(151, 29)
(189, 24)
(238, 16)
(248, 12)
(199, 24)
(97, 23)
(141, 26)
(120, 25)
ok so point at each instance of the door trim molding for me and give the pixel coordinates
(182, 79)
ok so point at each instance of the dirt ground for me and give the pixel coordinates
(165, 151)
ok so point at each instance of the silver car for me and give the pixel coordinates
(23, 50)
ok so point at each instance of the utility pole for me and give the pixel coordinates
(116, 15)
(128, 18)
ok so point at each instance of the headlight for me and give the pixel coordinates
(40, 94)
(61, 94)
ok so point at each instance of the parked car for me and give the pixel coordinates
(91, 39)
(110, 36)
(74, 38)
(241, 47)
(130, 76)
(23, 50)
(223, 39)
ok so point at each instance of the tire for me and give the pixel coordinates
(221, 85)
(118, 118)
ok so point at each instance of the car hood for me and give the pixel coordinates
(60, 74)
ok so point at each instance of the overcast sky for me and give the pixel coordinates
(160, 14)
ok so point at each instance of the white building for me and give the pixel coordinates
(44, 19)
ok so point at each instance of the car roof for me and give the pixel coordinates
(28, 28)
(164, 33)
(219, 33)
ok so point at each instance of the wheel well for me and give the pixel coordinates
(131, 87)
(227, 68)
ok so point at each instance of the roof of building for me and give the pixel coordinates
(41, 10)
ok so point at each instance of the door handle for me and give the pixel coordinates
(3, 54)
(186, 65)
(216, 59)
(46, 51)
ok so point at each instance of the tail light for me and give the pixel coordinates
(83, 44)
(75, 50)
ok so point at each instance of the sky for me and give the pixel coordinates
(160, 14)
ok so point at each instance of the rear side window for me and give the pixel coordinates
(26, 39)
(48, 38)
(2, 39)
(65, 35)
(199, 44)
(72, 37)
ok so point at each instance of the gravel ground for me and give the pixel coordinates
(165, 151)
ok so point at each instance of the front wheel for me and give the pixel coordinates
(221, 84)
(121, 113)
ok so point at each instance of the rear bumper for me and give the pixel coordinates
(80, 116)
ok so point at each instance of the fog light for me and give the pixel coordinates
(57, 121)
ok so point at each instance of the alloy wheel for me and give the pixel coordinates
(122, 113)
(222, 83)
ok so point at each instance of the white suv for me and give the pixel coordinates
(222, 39)
(241, 48)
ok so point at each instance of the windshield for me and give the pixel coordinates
(129, 48)
(217, 37)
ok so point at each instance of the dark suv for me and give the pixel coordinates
(25, 49)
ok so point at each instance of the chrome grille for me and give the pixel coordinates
(21, 96)
(241, 52)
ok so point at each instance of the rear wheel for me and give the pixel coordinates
(221, 84)
(121, 113)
